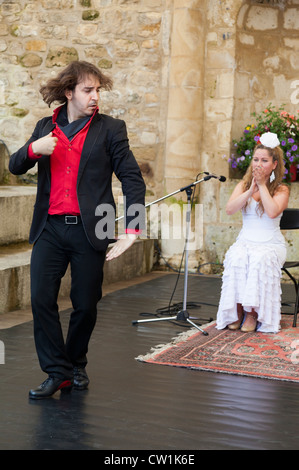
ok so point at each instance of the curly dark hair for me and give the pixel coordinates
(68, 78)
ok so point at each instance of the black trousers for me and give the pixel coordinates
(58, 246)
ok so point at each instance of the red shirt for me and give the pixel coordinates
(64, 165)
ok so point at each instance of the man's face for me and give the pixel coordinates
(83, 100)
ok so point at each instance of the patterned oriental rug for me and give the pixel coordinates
(264, 355)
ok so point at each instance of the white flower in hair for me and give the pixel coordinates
(269, 140)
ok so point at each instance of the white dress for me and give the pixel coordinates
(252, 272)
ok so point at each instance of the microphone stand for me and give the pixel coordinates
(183, 314)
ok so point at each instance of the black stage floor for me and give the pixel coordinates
(132, 405)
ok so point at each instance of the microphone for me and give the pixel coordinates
(220, 178)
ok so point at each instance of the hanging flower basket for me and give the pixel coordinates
(277, 121)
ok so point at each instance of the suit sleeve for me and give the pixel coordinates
(128, 172)
(20, 162)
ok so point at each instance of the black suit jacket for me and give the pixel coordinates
(106, 150)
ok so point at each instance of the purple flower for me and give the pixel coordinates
(291, 141)
(291, 159)
(247, 152)
(283, 142)
(234, 165)
(294, 148)
(257, 138)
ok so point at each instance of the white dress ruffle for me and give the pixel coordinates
(252, 272)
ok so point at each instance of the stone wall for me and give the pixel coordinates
(187, 75)
(128, 40)
(251, 60)
(267, 61)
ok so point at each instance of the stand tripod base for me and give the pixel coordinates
(183, 316)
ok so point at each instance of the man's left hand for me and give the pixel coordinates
(123, 243)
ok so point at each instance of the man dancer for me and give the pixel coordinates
(77, 150)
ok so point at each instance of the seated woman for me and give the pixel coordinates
(251, 290)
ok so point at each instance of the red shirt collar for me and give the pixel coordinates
(57, 111)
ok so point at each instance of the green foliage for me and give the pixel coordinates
(277, 121)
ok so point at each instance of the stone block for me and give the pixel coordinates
(219, 109)
(259, 21)
(36, 45)
(241, 85)
(14, 281)
(185, 103)
(30, 60)
(187, 32)
(185, 72)
(61, 56)
(246, 39)
(291, 19)
(184, 139)
(218, 240)
(16, 208)
(224, 134)
(15, 273)
(226, 85)
(219, 59)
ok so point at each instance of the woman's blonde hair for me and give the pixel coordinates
(278, 156)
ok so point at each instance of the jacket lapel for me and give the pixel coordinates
(91, 138)
(48, 128)
(45, 131)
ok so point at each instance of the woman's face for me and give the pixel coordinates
(263, 161)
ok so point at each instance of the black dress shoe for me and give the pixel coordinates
(50, 386)
(81, 379)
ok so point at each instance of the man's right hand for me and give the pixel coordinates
(44, 145)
